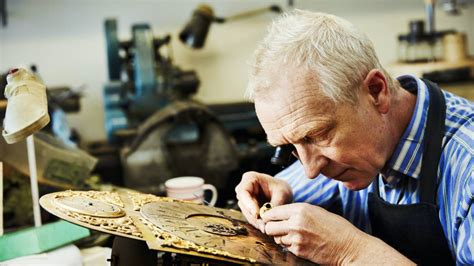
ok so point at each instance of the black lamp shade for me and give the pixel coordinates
(195, 32)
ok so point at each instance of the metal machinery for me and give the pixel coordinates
(141, 79)
(161, 132)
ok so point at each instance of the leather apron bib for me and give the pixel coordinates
(415, 230)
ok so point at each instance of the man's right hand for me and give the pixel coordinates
(256, 186)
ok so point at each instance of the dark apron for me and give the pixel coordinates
(415, 230)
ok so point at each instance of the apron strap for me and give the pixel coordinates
(432, 147)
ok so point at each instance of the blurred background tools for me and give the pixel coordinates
(27, 113)
(438, 55)
(153, 124)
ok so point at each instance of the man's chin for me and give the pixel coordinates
(355, 185)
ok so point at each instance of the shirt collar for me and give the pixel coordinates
(408, 154)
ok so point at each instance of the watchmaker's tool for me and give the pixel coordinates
(283, 155)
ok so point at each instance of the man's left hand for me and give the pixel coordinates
(312, 233)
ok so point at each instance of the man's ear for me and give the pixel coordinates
(375, 85)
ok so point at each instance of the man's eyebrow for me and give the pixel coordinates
(321, 128)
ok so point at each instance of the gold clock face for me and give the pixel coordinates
(89, 206)
(215, 228)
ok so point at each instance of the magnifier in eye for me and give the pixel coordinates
(283, 155)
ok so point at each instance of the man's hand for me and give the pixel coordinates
(256, 186)
(317, 235)
(311, 232)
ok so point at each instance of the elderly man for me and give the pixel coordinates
(392, 156)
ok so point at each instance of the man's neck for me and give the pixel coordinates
(403, 106)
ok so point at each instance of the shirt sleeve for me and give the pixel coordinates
(465, 236)
(320, 190)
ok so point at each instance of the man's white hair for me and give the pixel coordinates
(336, 54)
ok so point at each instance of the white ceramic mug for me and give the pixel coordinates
(189, 188)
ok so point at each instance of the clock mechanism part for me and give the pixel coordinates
(170, 225)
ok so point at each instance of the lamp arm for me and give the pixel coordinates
(250, 13)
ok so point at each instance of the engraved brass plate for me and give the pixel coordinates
(216, 228)
(169, 225)
(88, 206)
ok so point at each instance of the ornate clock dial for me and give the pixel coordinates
(88, 206)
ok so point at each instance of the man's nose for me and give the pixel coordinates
(313, 161)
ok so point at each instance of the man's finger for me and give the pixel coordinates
(250, 218)
(279, 198)
(277, 228)
(277, 239)
(260, 225)
(257, 223)
(285, 240)
(280, 213)
(248, 202)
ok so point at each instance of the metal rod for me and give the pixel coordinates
(252, 13)
(30, 146)
(1, 199)
(430, 15)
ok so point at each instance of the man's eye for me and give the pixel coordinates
(319, 139)
(307, 140)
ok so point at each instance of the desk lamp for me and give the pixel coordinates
(195, 31)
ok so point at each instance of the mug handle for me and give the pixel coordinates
(213, 189)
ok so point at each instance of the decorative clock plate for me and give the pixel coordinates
(169, 225)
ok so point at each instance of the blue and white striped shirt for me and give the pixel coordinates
(455, 196)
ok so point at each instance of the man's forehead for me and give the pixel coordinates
(299, 99)
(279, 137)
(292, 115)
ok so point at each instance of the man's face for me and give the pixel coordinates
(342, 142)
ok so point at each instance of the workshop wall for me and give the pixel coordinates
(65, 39)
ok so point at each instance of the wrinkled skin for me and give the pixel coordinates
(291, 225)
(346, 142)
(278, 192)
(343, 142)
